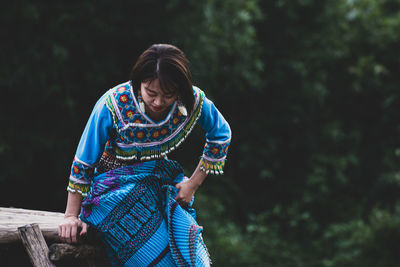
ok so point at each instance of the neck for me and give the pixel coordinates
(156, 116)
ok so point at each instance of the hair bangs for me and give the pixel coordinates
(167, 85)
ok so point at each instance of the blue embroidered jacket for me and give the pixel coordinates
(118, 126)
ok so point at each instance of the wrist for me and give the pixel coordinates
(66, 216)
(194, 184)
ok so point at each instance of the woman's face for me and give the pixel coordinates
(157, 103)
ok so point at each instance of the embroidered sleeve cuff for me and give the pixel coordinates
(214, 156)
(81, 177)
(82, 189)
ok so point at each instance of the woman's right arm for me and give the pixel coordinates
(90, 148)
(68, 230)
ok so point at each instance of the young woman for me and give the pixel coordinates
(121, 182)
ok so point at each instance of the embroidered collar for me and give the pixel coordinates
(138, 135)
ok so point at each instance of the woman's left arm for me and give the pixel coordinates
(218, 137)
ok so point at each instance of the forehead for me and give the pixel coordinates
(158, 87)
(152, 84)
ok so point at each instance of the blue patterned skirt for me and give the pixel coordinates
(134, 211)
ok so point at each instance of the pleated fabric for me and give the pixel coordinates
(134, 212)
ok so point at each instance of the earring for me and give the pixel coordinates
(182, 108)
(141, 103)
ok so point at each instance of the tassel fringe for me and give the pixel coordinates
(213, 167)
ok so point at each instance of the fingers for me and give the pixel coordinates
(181, 199)
(68, 234)
(184, 195)
(84, 229)
(73, 231)
(68, 231)
(179, 194)
(61, 232)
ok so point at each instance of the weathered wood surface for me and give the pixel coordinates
(16, 224)
(94, 254)
(60, 251)
(12, 218)
(35, 245)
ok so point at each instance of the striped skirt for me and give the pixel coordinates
(133, 210)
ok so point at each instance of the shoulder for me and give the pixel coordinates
(199, 96)
(119, 95)
(197, 92)
(121, 89)
(122, 103)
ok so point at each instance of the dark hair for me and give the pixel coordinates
(170, 66)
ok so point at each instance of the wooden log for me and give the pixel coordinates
(61, 251)
(35, 245)
(15, 220)
(12, 218)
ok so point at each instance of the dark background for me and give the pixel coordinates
(309, 87)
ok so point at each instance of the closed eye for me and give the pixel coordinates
(150, 92)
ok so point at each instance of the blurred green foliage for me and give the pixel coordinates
(310, 88)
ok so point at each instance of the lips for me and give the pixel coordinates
(156, 108)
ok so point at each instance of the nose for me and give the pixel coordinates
(158, 101)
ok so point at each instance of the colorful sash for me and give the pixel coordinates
(134, 211)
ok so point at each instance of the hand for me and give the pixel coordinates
(68, 230)
(186, 192)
